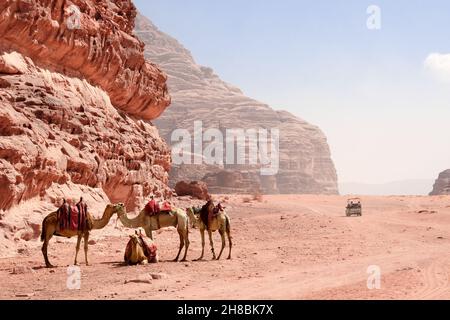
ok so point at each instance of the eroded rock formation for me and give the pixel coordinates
(74, 103)
(442, 185)
(97, 44)
(196, 189)
(199, 94)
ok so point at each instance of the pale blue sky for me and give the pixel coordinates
(386, 116)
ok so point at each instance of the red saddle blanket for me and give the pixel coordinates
(153, 208)
(150, 250)
(73, 217)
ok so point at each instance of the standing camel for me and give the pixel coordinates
(219, 222)
(176, 218)
(51, 227)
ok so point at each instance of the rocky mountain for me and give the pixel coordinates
(74, 104)
(199, 94)
(442, 184)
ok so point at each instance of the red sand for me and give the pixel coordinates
(286, 247)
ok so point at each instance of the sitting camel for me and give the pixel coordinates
(138, 251)
(176, 218)
(212, 222)
(51, 227)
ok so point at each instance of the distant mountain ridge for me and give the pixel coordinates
(402, 187)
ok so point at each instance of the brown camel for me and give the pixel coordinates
(138, 251)
(219, 222)
(50, 228)
(176, 218)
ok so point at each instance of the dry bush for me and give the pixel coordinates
(257, 196)
(246, 200)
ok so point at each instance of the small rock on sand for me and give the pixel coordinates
(23, 251)
(24, 295)
(22, 270)
(142, 279)
(159, 276)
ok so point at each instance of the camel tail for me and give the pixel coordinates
(44, 229)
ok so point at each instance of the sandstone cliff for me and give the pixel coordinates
(442, 185)
(98, 46)
(74, 104)
(199, 94)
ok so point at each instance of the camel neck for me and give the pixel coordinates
(103, 221)
(131, 223)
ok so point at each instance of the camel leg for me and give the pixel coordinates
(148, 232)
(222, 235)
(186, 243)
(86, 245)
(181, 246)
(49, 230)
(211, 243)
(202, 234)
(75, 263)
(44, 251)
(230, 244)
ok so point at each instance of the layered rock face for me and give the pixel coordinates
(88, 39)
(198, 94)
(442, 185)
(74, 104)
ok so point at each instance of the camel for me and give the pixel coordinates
(139, 252)
(177, 218)
(50, 228)
(220, 222)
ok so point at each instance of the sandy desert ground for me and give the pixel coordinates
(285, 247)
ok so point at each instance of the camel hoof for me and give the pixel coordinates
(175, 260)
(50, 266)
(229, 258)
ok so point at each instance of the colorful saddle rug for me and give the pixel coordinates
(73, 217)
(153, 208)
(209, 211)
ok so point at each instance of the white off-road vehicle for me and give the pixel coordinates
(354, 207)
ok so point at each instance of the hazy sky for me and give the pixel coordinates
(382, 97)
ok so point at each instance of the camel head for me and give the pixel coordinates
(193, 216)
(135, 238)
(118, 208)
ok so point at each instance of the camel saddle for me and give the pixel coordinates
(209, 211)
(154, 208)
(73, 217)
(149, 249)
